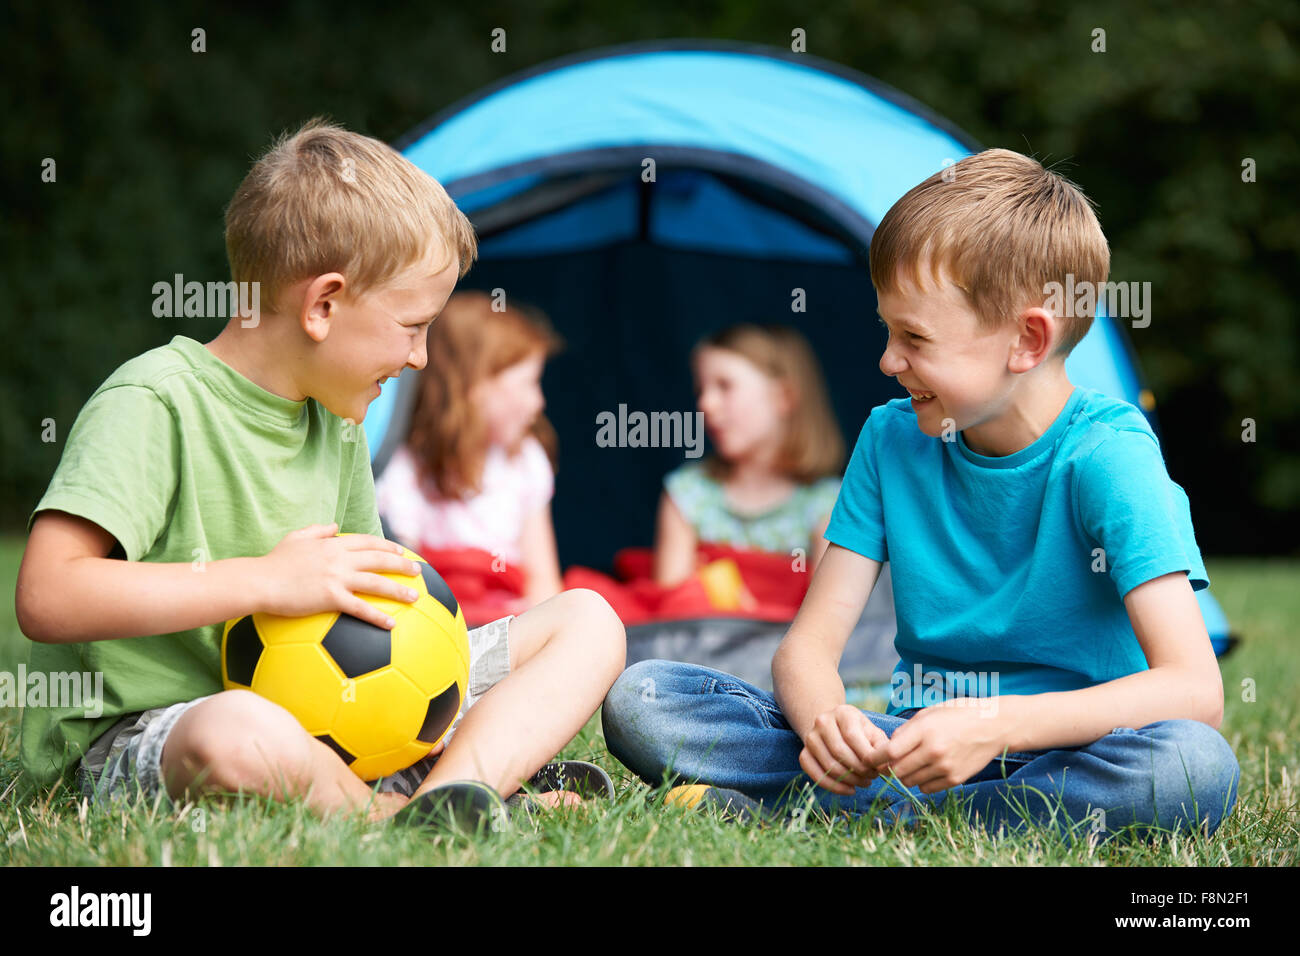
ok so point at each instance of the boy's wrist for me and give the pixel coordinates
(1012, 720)
(802, 701)
(250, 582)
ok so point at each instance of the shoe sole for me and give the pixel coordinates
(464, 806)
(575, 776)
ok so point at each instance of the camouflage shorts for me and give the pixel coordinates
(126, 760)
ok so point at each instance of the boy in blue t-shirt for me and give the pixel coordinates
(1052, 653)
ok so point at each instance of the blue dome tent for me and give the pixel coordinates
(646, 195)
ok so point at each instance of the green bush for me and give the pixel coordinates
(150, 140)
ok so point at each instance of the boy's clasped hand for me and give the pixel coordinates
(938, 748)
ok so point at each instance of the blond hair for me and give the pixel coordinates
(1002, 228)
(471, 341)
(812, 447)
(325, 199)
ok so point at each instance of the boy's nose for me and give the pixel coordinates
(891, 363)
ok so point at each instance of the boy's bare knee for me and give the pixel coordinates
(234, 741)
(601, 626)
(595, 610)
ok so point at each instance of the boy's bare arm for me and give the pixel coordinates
(1183, 679)
(805, 668)
(69, 591)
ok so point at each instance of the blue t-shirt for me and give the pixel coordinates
(1009, 572)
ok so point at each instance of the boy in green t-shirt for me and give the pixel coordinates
(201, 483)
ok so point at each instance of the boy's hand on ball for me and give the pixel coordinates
(840, 750)
(311, 571)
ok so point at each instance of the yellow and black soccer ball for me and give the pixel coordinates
(381, 699)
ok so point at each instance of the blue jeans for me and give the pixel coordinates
(674, 722)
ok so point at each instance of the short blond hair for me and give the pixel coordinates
(325, 199)
(1002, 228)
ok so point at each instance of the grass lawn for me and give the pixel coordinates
(1262, 722)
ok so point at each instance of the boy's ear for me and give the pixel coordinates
(317, 303)
(1039, 330)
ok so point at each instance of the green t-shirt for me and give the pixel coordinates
(182, 459)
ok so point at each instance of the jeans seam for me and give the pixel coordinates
(732, 689)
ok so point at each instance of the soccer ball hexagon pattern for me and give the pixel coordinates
(381, 699)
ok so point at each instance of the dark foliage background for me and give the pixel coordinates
(150, 140)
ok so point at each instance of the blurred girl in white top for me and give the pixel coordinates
(478, 467)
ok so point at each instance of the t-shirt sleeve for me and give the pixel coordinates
(1139, 516)
(857, 520)
(119, 467)
(361, 514)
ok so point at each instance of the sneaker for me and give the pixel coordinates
(576, 776)
(465, 806)
(733, 803)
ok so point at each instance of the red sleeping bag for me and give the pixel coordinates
(488, 588)
(485, 587)
(777, 589)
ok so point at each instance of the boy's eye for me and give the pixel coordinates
(884, 326)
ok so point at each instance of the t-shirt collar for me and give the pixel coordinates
(1031, 451)
(236, 387)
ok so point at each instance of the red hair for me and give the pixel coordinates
(470, 341)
